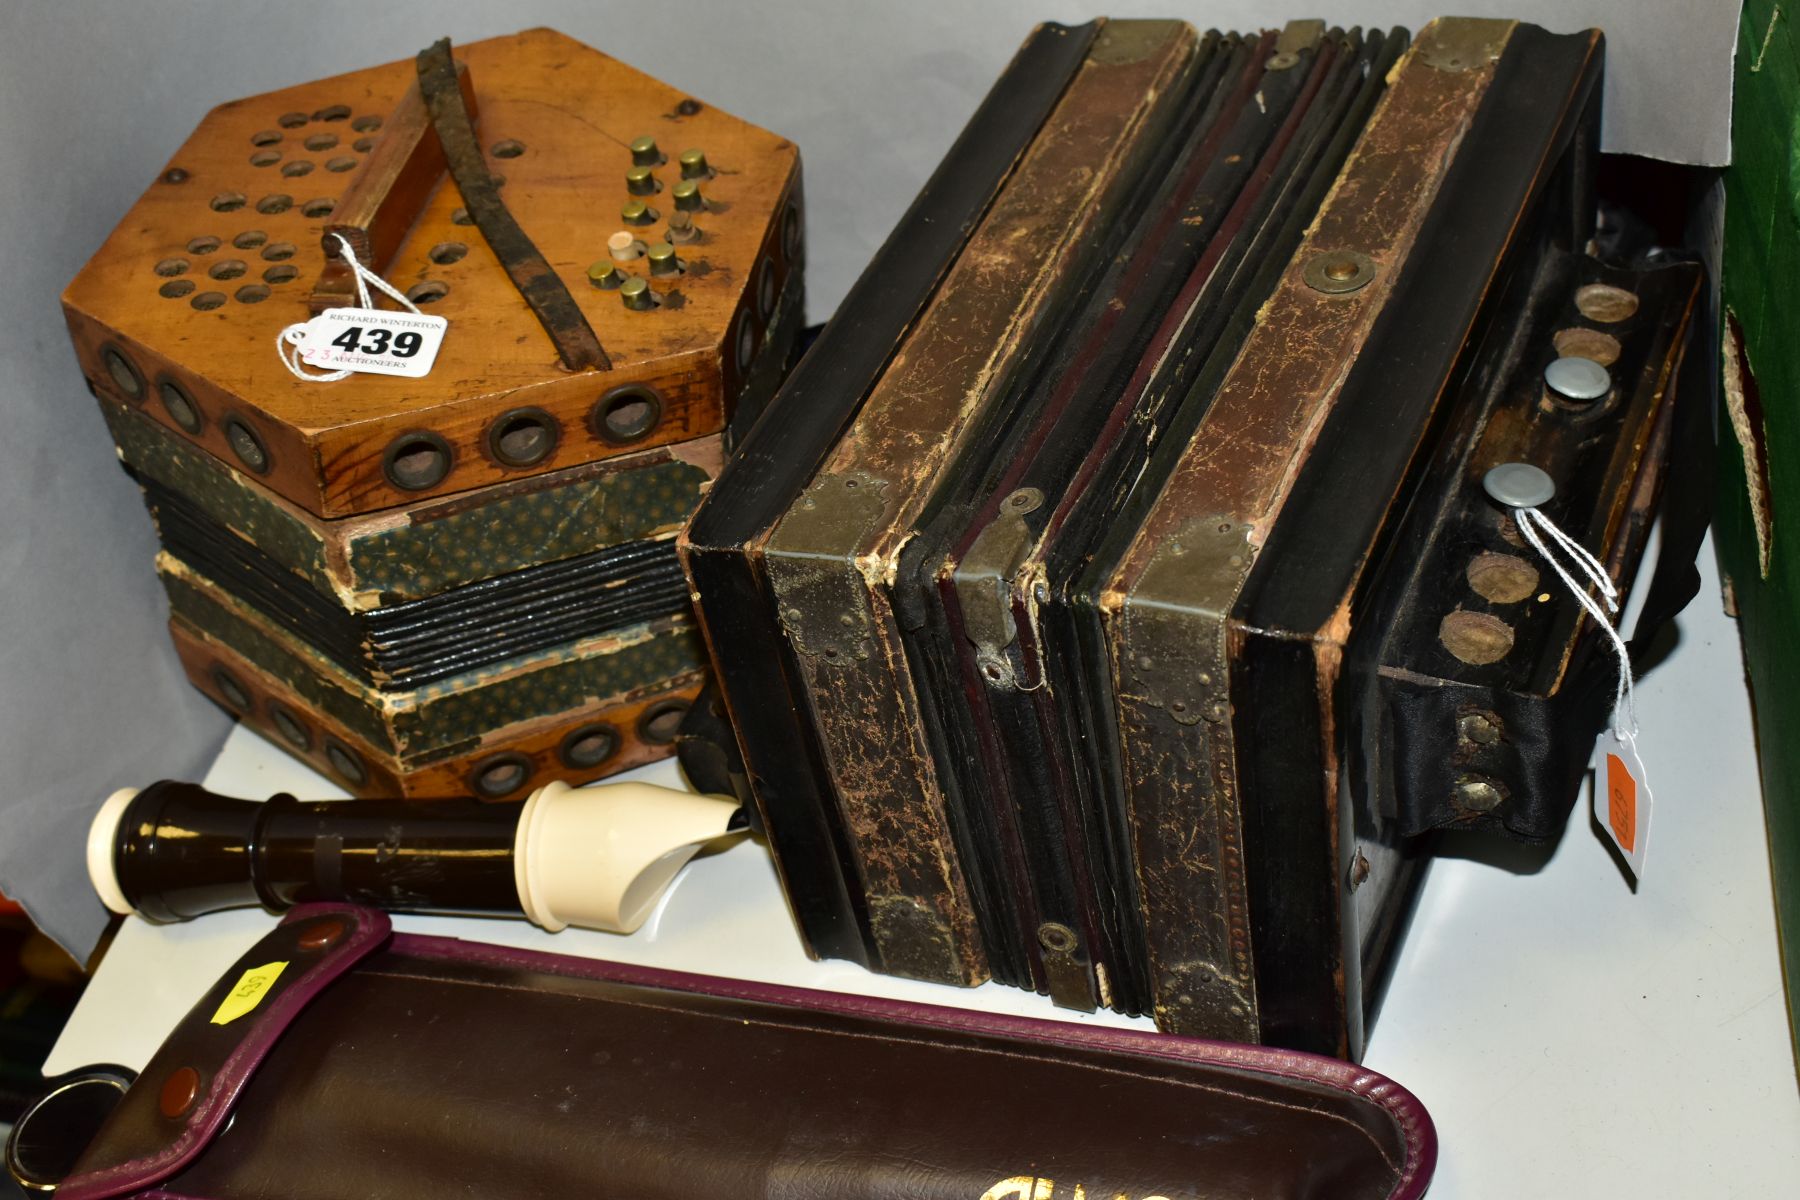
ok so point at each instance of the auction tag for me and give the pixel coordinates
(1622, 796)
(373, 340)
(247, 992)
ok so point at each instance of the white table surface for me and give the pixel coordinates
(1570, 1036)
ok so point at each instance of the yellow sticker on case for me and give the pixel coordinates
(248, 992)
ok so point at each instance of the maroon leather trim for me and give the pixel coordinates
(1406, 1110)
(365, 931)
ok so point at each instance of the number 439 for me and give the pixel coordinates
(357, 340)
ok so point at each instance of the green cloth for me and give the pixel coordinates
(1760, 270)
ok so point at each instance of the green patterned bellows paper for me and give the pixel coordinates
(448, 719)
(435, 545)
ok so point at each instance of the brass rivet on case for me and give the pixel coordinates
(1604, 303)
(1577, 342)
(1281, 60)
(1502, 578)
(1476, 638)
(1481, 795)
(644, 152)
(1338, 272)
(1481, 728)
(321, 935)
(1058, 939)
(179, 1092)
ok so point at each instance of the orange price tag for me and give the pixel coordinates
(1622, 797)
(1621, 802)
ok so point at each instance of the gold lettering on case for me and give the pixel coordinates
(1034, 1187)
(1021, 1187)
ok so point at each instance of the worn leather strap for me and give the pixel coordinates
(576, 343)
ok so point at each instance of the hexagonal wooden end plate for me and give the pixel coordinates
(178, 313)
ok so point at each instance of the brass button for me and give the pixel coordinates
(1578, 379)
(179, 1092)
(638, 213)
(662, 259)
(644, 152)
(1519, 485)
(682, 229)
(687, 196)
(639, 181)
(636, 294)
(694, 165)
(605, 275)
(321, 934)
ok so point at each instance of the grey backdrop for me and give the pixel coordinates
(95, 97)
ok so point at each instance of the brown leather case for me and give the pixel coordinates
(832, 558)
(397, 1065)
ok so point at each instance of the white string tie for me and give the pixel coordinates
(1534, 526)
(289, 340)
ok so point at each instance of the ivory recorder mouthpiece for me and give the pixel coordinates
(597, 857)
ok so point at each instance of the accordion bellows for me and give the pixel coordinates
(1124, 597)
(467, 582)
